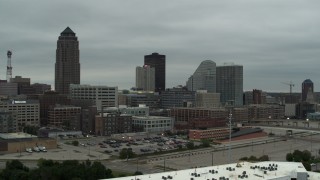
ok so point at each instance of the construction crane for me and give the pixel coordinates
(291, 85)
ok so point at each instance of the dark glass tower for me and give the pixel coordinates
(307, 86)
(230, 84)
(67, 67)
(158, 62)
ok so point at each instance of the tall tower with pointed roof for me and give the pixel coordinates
(67, 67)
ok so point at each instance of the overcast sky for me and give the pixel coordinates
(275, 40)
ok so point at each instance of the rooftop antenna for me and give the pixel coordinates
(9, 67)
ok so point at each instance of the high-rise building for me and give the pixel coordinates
(230, 84)
(67, 67)
(145, 78)
(204, 78)
(307, 87)
(158, 62)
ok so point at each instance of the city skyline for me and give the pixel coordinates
(273, 41)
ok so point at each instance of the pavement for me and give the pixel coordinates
(274, 147)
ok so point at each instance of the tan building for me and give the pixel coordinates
(204, 99)
(27, 111)
(18, 142)
(261, 111)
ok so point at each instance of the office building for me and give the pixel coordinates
(103, 96)
(177, 97)
(230, 84)
(158, 62)
(151, 100)
(145, 78)
(67, 67)
(113, 123)
(23, 85)
(153, 124)
(8, 89)
(307, 88)
(204, 99)
(40, 88)
(49, 99)
(27, 112)
(266, 111)
(66, 117)
(204, 78)
(8, 121)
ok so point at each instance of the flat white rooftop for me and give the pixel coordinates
(18, 135)
(243, 170)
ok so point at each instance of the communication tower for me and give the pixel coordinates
(9, 67)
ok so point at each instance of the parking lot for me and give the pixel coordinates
(141, 145)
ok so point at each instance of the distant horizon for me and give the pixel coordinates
(273, 40)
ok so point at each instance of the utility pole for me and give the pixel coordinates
(164, 164)
(211, 158)
(229, 151)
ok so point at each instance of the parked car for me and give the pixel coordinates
(42, 148)
(29, 150)
(36, 149)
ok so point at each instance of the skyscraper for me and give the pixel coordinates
(158, 62)
(67, 67)
(230, 83)
(307, 87)
(145, 78)
(204, 78)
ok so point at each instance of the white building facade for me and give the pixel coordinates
(104, 96)
(153, 124)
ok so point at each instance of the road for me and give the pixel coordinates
(275, 147)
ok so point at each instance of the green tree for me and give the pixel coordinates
(306, 155)
(75, 143)
(264, 158)
(252, 158)
(138, 173)
(297, 156)
(205, 143)
(15, 170)
(98, 171)
(126, 154)
(190, 145)
(289, 157)
(31, 130)
(244, 159)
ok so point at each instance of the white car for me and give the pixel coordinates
(29, 150)
(42, 148)
(36, 149)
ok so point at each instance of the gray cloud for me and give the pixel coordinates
(275, 41)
